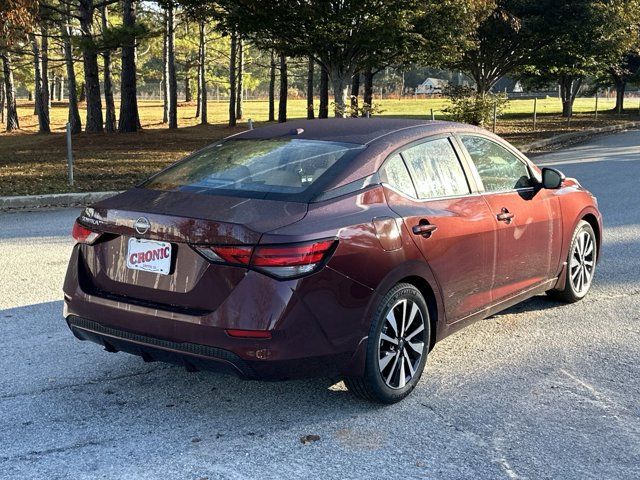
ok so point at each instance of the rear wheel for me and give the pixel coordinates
(397, 348)
(581, 264)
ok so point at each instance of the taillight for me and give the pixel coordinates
(281, 261)
(287, 261)
(82, 234)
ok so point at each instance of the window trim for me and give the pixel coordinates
(468, 172)
(516, 153)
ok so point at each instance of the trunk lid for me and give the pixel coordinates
(193, 284)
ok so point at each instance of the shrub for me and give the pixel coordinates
(468, 106)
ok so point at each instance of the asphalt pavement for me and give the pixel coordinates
(543, 390)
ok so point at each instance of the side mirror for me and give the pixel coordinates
(552, 178)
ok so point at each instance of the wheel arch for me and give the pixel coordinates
(430, 298)
(592, 220)
(418, 274)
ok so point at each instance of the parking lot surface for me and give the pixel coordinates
(543, 390)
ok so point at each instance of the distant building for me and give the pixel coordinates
(432, 86)
(507, 85)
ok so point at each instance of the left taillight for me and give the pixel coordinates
(82, 234)
(280, 261)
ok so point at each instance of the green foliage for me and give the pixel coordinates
(468, 106)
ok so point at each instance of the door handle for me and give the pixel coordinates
(505, 216)
(424, 228)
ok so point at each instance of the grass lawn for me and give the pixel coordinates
(36, 164)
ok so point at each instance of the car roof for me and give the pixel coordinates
(354, 130)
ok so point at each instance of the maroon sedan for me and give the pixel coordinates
(341, 247)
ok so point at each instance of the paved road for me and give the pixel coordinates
(542, 391)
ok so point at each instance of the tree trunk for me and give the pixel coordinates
(187, 87)
(340, 82)
(94, 123)
(199, 80)
(2, 102)
(240, 74)
(232, 79)
(171, 74)
(310, 72)
(355, 93)
(621, 86)
(284, 89)
(47, 92)
(272, 88)
(569, 87)
(83, 93)
(367, 97)
(60, 93)
(203, 73)
(110, 112)
(41, 110)
(165, 71)
(12, 110)
(74, 114)
(129, 119)
(323, 109)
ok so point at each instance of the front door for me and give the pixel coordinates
(528, 218)
(452, 226)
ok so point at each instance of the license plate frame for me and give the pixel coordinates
(150, 256)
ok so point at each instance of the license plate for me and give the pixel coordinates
(149, 256)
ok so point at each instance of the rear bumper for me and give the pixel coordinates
(315, 331)
(190, 355)
(195, 357)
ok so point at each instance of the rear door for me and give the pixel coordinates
(449, 222)
(528, 219)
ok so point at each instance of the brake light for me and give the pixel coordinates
(82, 234)
(281, 261)
(236, 255)
(287, 261)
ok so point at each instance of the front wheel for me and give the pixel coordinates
(581, 265)
(397, 348)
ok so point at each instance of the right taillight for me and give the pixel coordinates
(82, 234)
(280, 261)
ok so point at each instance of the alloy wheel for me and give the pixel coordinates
(582, 262)
(401, 344)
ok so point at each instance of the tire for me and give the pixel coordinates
(388, 376)
(581, 265)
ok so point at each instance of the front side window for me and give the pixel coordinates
(270, 168)
(499, 169)
(436, 170)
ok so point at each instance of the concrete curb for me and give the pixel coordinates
(53, 200)
(573, 136)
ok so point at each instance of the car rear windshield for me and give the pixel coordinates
(292, 169)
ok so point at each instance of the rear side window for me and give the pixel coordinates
(275, 168)
(394, 172)
(499, 169)
(436, 169)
